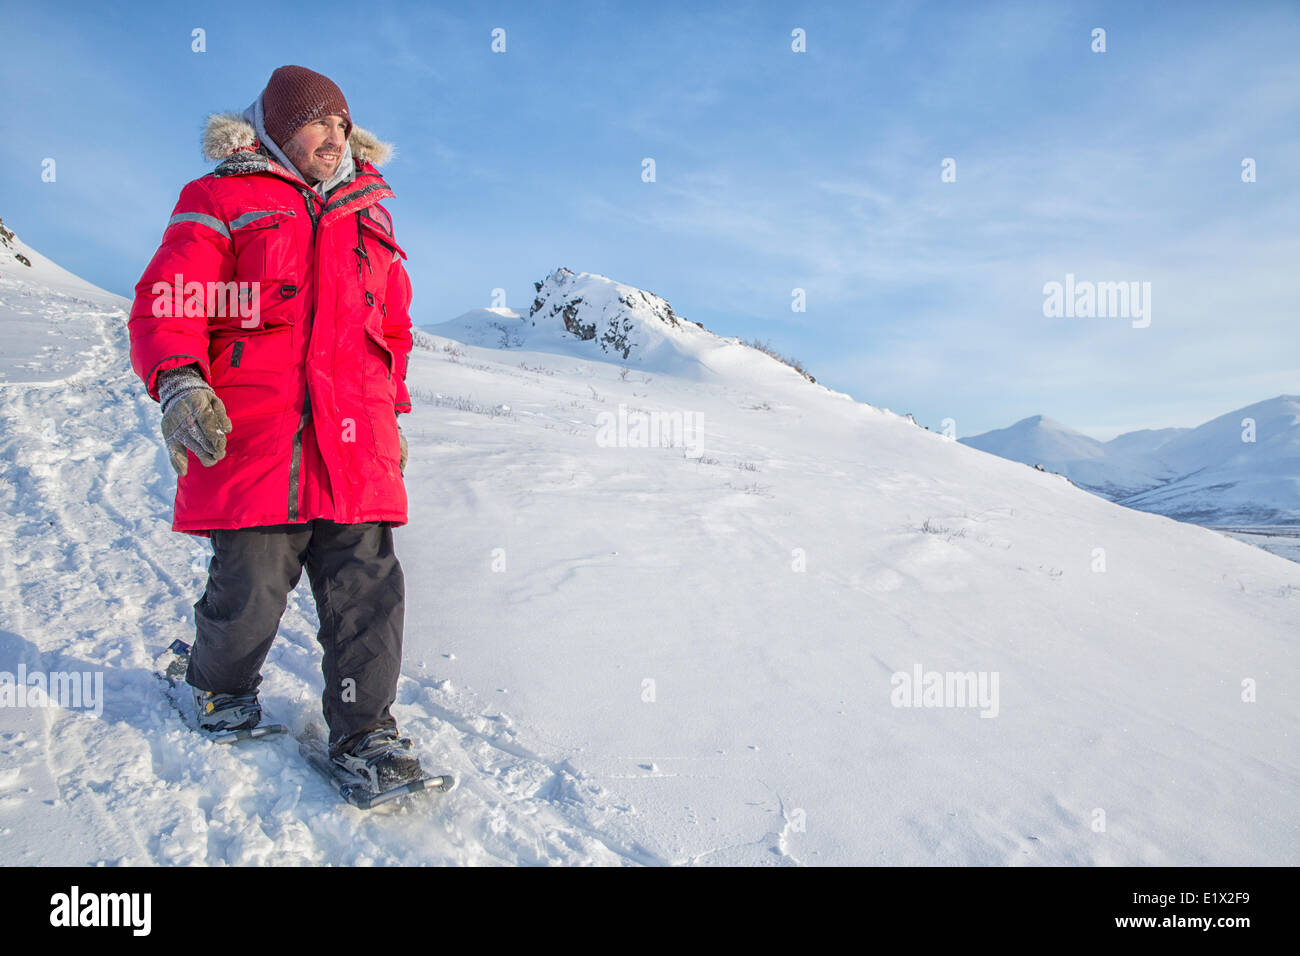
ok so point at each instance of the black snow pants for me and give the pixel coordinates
(360, 594)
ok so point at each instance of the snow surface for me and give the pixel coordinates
(613, 651)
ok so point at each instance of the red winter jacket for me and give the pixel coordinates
(313, 377)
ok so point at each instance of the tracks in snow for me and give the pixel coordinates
(95, 580)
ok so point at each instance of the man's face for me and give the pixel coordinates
(317, 147)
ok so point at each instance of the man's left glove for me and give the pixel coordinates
(193, 418)
(402, 438)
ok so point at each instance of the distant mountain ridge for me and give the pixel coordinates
(1242, 468)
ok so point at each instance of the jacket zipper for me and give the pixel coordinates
(360, 250)
(295, 462)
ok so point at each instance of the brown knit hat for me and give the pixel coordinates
(296, 96)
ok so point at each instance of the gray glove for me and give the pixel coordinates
(193, 418)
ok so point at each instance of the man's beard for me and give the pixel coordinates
(326, 167)
(312, 167)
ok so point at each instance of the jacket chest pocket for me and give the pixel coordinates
(266, 248)
(268, 266)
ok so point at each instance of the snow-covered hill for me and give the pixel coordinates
(1242, 468)
(49, 318)
(697, 651)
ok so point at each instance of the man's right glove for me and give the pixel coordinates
(194, 418)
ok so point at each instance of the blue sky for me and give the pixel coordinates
(775, 170)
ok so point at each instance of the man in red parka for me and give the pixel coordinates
(272, 325)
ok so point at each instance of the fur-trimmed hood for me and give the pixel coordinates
(227, 133)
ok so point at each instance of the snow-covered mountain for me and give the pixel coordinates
(1039, 439)
(815, 633)
(1111, 471)
(1144, 441)
(622, 322)
(1242, 468)
(591, 316)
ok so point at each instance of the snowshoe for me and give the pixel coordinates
(222, 712)
(241, 713)
(382, 759)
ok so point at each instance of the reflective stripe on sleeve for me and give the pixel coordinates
(212, 222)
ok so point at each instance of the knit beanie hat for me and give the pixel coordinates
(296, 96)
